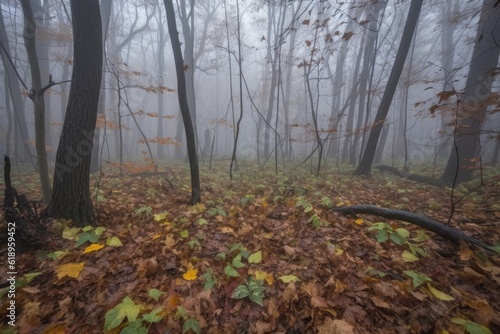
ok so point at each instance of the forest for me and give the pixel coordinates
(250, 166)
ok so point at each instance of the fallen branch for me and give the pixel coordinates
(427, 223)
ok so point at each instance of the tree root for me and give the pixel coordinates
(427, 223)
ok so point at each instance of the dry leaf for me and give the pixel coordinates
(70, 269)
(92, 248)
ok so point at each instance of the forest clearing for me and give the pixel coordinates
(165, 266)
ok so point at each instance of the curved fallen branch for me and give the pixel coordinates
(425, 222)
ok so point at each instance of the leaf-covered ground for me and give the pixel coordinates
(261, 254)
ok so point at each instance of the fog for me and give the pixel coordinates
(311, 72)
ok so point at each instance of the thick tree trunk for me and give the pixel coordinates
(472, 107)
(183, 103)
(71, 195)
(365, 165)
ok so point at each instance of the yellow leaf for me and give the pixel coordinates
(92, 248)
(438, 294)
(190, 275)
(156, 236)
(338, 251)
(263, 276)
(69, 269)
(408, 256)
(359, 221)
(161, 216)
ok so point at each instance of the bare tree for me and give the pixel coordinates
(183, 102)
(364, 167)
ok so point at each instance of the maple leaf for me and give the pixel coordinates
(126, 309)
(190, 275)
(69, 269)
(92, 248)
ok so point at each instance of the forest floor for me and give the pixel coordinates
(261, 254)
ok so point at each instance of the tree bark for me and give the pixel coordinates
(471, 110)
(183, 103)
(37, 96)
(21, 146)
(365, 165)
(71, 194)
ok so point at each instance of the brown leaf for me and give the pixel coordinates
(290, 293)
(335, 326)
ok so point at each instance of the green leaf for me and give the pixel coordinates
(57, 255)
(155, 294)
(184, 233)
(114, 242)
(417, 279)
(382, 236)
(409, 257)
(235, 247)
(289, 278)
(255, 257)
(209, 279)
(202, 221)
(70, 232)
(403, 232)
(191, 324)
(230, 271)
(421, 236)
(147, 210)
(99, 230)
(126, 309)
(86, 237)
(471, 327)
(377, 226)
(397, 238)
(87, 228)
(220, 256)
(241, 291)
(134, 327)
(237, 262)
(153, 315)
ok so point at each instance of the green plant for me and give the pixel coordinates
(144, 210)
(253, 289)
(216, 211)
(470, 326)
(130, 310)
(303, 203)
(317, 221)
(189, 323)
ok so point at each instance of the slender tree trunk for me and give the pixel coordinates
(365, 165)
(183, 103)
(71, 194)
(21, 144)
(471, 110)
(37, 96)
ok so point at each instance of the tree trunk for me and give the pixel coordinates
(20, 125)
(71, 194)
(37, 96)
(183, 103)
(365, 165)
(471, 109)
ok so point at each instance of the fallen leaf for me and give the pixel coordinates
(190, 275)
(69, 269)
(439, 294)
(92, 248)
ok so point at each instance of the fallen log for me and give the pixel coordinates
(427, 223)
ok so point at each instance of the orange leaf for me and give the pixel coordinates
(92, 248)
(190, 275)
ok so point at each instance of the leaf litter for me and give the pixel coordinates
(263, 254)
